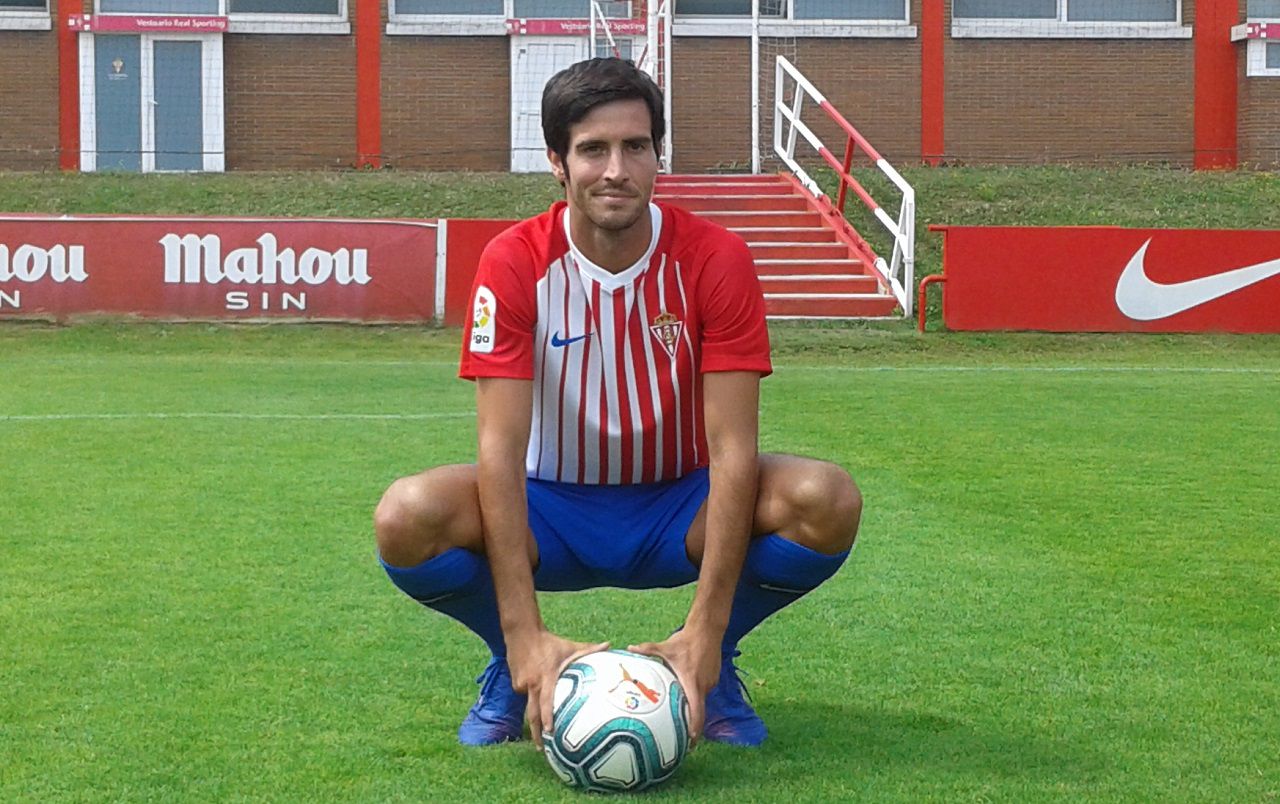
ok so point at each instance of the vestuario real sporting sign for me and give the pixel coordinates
(208, 268)
(1111, 279)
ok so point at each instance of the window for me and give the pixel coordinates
(625, 50)
(555, 9)
(327, 7)
(286, 16)
(845, 10)
(569, 9)
(31, 15)
(291, 8)
(1262, 58)
(1086, 19)
(1070, 10)
(1123, 10)
(1006, 9)
(725, 8)
(159, 7)
(457, 7)
(878, 10)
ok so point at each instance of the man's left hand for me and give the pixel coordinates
(695, 659)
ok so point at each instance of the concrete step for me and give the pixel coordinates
(784, 234)
(799, 251)
(792, 267)
(759, 218)
(682, 190)
(721, 178)
(837, 284)
(737, 203)
(848, 305)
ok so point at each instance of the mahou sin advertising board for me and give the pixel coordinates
(213, 268)
(1111, 279)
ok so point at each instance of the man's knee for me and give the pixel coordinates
(398, 523)
(423, 515)
(827, 507)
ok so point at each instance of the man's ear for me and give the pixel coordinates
(557, 165)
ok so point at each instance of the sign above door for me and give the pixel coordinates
(146, 23)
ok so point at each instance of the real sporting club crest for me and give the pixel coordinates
(667, 329)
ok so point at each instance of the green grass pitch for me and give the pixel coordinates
(1065, 587)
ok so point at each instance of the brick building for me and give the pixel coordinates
(444, 84)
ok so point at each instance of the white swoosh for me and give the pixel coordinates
(1143, 299)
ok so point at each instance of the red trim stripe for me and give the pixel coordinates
(639, 332)
(932, 81)
(368, 83)
(1215, 85)
(68, 86)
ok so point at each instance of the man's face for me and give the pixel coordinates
(611, 166)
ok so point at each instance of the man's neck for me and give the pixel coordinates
(614, 251)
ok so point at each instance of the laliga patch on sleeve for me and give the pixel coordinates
(482, 325)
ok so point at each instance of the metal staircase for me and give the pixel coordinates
(805, 267)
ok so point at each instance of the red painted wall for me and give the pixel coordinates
(1110, 279)
(466, 242)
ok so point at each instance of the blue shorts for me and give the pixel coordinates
(630, 536)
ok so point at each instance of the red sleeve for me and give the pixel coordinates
(734, 334)
(498, 340)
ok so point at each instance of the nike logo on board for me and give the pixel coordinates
(557, 341)
(1143, 299)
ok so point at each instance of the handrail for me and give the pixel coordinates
(654, 58)
(899, 272)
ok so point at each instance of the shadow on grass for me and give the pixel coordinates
(848, 744)
(825, 753)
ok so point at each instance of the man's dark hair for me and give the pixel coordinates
(572, 93)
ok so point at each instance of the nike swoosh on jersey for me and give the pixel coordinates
(557, 341)
(1143, 299)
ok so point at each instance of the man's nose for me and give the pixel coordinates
(615, 168)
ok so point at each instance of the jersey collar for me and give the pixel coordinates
(607, 280)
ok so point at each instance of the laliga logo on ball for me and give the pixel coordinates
(620, 723)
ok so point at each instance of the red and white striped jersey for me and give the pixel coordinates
(616, 360)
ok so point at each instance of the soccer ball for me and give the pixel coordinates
(621, 723)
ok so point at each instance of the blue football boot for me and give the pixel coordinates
(498, 714)
(730, 718)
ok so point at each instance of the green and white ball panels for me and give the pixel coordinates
(620, 723)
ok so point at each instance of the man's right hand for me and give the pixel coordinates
(536, 663)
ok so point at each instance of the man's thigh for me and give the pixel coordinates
(790, 488)
(630, 536)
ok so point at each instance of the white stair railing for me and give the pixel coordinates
(654, 58)
(899, 272)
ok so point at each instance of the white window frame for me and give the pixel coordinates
(26, 19)
(336, 24)
(788, 25)
(1062, 28)
(495, 25)
(1256, 53)
(447, 24)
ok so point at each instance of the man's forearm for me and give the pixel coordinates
(730, 509)
(504, 512)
